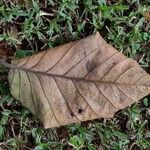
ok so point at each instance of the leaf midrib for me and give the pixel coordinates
(11, 66)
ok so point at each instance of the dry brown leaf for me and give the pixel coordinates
(5, 51)
(79, 81)
(146, 14)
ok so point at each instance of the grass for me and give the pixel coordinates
(27, 27)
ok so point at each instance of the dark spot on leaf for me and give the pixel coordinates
(80, 111)
(114, 63)
(90, 66)
(72, 114)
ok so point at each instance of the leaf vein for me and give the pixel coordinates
(104, 95)
(85, 99)
(100, 64)
(140, 78)
(83, 59)
(61, 58)
(124, 92)
(33, 100)
(39, 60)
(47, 99)
(112, 68)
(72, 112)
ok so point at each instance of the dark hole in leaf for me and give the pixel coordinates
(80, 111)
(72, 114)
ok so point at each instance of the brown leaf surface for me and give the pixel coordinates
(78, 81)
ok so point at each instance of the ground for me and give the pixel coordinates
(29, 26)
